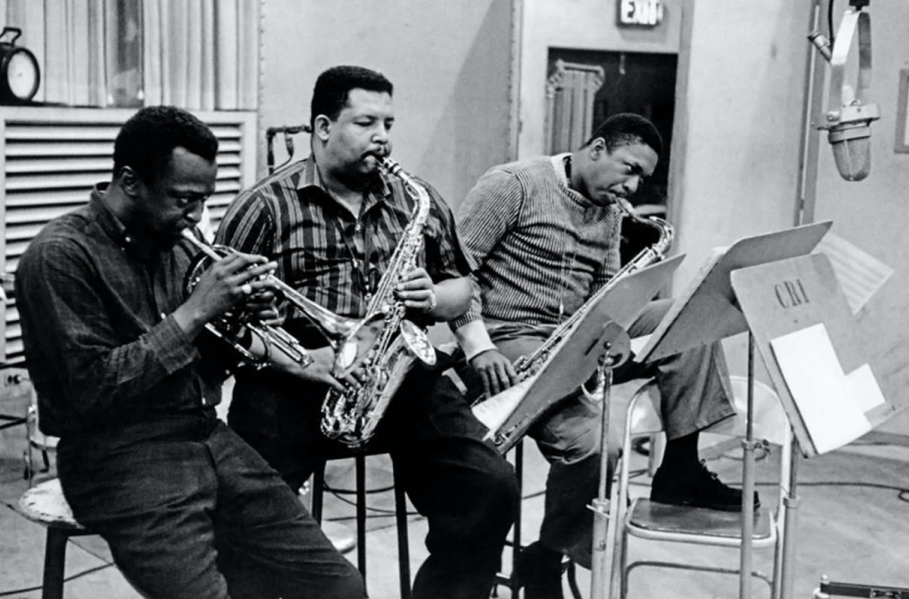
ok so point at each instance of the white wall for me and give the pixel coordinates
(579, 25)
(873, 214)
(448, 59)
(739, 126)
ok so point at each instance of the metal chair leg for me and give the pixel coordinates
(403, 540)
(54, 562)
(360, 461)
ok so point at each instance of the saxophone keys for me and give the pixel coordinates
(418, 342)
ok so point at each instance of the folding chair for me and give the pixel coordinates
(651, 521)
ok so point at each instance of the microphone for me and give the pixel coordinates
(848, 117)
(850, 139)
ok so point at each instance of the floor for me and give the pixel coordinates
(852, 525)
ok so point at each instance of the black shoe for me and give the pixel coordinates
(698, 487)
(539, 572)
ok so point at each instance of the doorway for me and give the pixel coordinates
(638, 82)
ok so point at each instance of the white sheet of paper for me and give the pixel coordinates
(863, 388)
(638, 343)
(819, 388)
(860, 275)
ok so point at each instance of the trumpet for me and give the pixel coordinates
(335, 328)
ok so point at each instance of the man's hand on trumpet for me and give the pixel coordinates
(227, 284)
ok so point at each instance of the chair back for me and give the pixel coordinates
(643, 415)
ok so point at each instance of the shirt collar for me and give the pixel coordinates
(106, 218)
(310, 177)
(558, 163)
(114, 228)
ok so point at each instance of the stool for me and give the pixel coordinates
(510, 580)
(45, 504)
(359, 455)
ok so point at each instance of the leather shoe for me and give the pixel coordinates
(696, 486)
(539, 572)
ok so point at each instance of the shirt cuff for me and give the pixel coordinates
(173, 347)
(474, 339)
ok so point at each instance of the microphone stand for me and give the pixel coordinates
(617, 347)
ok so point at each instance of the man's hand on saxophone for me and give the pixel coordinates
(441, 301)
(495, 371)
(417, 291)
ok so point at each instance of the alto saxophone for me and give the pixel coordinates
(503, 414)
(351, 416)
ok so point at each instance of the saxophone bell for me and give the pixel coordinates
(392, 343)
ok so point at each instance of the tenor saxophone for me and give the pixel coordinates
(504, 414)
(352, 416)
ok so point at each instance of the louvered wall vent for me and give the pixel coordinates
(53, 156)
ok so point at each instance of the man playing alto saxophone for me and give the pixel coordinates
(332, 223)
(545, 235)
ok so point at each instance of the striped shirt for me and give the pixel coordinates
(541, 248)
(322, 250)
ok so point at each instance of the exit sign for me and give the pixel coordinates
(640, 13)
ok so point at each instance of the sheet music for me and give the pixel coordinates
(860, 275)
(820, 388)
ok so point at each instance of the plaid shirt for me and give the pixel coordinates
(542, 249)
(322, 250)
(101, 343)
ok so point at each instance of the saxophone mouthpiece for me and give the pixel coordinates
(626, 207)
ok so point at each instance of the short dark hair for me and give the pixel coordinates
(147, 140)
(329, 96)
(627, 128)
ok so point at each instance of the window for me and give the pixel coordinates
(199, 55)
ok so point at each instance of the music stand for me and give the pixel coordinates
(576, 358)
(707, 312)
(805, 332)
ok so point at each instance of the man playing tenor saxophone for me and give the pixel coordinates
(333, 222)
(545, 235)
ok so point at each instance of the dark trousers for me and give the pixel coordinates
(463, 487)
(694, 393)
(191, 511)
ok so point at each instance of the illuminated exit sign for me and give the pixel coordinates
(640, 13)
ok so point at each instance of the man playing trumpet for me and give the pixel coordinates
(129, 381)
(545, 235)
